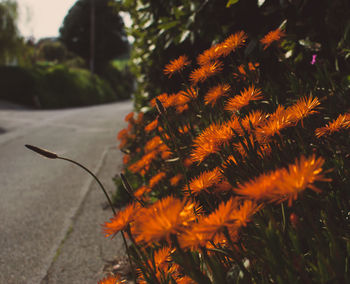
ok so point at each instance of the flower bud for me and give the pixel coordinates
(42, 152)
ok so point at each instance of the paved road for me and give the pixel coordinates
(42, 200)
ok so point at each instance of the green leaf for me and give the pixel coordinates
(231, 2)
(168, 25)
(184, 35)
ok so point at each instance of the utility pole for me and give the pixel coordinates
(92, 36)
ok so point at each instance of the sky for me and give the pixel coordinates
(42, 18)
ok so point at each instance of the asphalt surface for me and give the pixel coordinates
(50, 210)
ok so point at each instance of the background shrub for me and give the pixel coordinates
(18, 84)
(53, 86)
(66, 87)
(117, 73)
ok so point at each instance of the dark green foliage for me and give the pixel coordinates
(120, 197)
(52, 50)
(54, 86)
(163, 30)
(120, 78)
(63, 87)
(110, 37)
(18, 85)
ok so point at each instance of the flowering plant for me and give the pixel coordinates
(233, 182)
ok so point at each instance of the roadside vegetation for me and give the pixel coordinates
(236, 159)
(59, 72)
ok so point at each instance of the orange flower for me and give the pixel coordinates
(223, 186)
(130, 127)
(252, 66)
(179, 101)
(124, 137)
(122, 134)
(262, 149)
(153, 144)
(165, 217)
(184, 129)
(162, 98)
(176, 65)
(244, 141)
(237, 102)
(253, 119)
(111, 280)
(302, 108)
(279, 120)
(190, 93)
(202, 149)
(215, 93)
(139, 117)
(141, 191)
(211, 54)
(233, 42)
(181, 108)
(121, 220)
(271, 37)
(242, 73)
(129, 117)
(341, 122)
(243, 214)
(144, 163)
(160, 263)
(126, 159)
(162, 256)
(193, 239)
(204, 181)
(230, 160)
(205, 71)
(156, 179)
(241, 69)
(151, 126)
(174, 181)
(222, 133)
(211, 138)
(260, 187)
(188, 162)
(165, 152)
(299, 176)
(185, 280)
(285, 184)
(231, 215)
(171, 101)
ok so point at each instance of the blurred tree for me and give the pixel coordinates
(110, 37)
(51, 50)
(10, 40)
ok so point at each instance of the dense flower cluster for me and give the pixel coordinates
(215, 165)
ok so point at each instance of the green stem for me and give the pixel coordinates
(129, 190)
(110, 204)
(189, 265)
(95, 177)
(142, 255)
(129, 257)
(283, 217)
(172, 136)
(238, 261)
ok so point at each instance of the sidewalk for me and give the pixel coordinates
(85, 251)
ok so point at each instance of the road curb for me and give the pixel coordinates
(71, 218)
